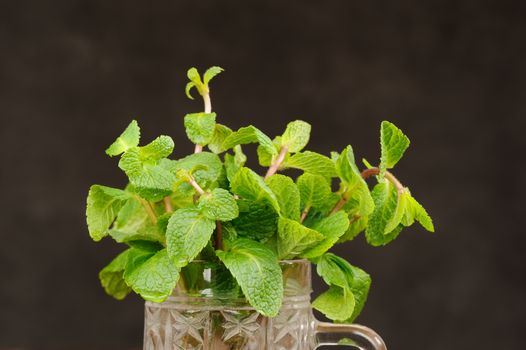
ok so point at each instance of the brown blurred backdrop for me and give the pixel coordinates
(450, 73)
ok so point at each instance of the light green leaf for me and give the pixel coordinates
(361, 283)
(366, 163)
(359, 201)
(401, 207)
(211, 73)
(159, 148)
(332, 227)
(393, 144)
(188, 90)
(347, 170)
(194, 77)
(150, 180)
(103, 205)
(294, 238)
(221, 132)
(219, 205)
(415, 211)
(311, 162)
(247, 135)
(152, 275)
(314, 190)
(200, 127)
(249, 185)
(256, 269)
(385, 200)
(296, 136)
(257, 220)
(356, 226)
(128, 139)
(287, 194)
(205, 167)
(111, 277)
(188, 232)
(335, 270)
(337, 303)
(133, 223)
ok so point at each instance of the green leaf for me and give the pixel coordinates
(152, 276)
(332, 227)
(294, 238)
(356, 226)
(366, 163)
(287, 194)
(393, 144)
(257, 271)
(188, 232)
(103, 205)
(219, 205)
(111, 277)
(415, 211)
(128, 139)
(401, 205)
(296, 136)
(347, 170)
(248, 135)
(221, 132)
(200, 127)
(159, 148)
(311, 162)
(205, 167)
(314, 190)
(150, 180)
(257, 220)
(188, 90)
(335, 270)
(385, 200)
(249, 185)
(337, 303)
(133, 223)
(211, 73)
(361, 284)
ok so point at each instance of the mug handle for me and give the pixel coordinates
(353, 335)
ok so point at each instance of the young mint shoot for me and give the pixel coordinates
(210, 206)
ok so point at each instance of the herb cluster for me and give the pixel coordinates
(210, 206)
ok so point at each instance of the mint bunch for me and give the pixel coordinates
(210, 206)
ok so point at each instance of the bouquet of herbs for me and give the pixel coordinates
(210, 206)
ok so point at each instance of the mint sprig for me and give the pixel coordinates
(211, 206)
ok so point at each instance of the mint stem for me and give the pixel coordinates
(168, 204)
(208, 109)
(196, 186)
(366, 174)
(148, 207)
(304, 214)
(277, 163)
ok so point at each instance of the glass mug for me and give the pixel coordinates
(208, 312)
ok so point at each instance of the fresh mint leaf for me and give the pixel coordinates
(347, 170)
(159, 148)
(128, 139)
(219, 205)
(393, 144)
(111, 277)
(257, 220)
(356, 225)
(415, 211)
(188, 90)
(249, 185)
(335, 270)
(311, 162)
(211, 73)
(248, 135)
(221, 132)
(361, 284)
(314, 190)
(205, 167)
(294, 238)
(133, 223)
(296, 136)
(256, 269)
(366, 163)
(332, 227)
(152, 275)
(188, 232)
(337, 303)
(400, 210)
(385, 200)
(103, 205)
(200, 127)
(287, 195)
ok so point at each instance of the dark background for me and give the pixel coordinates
(451, 74)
